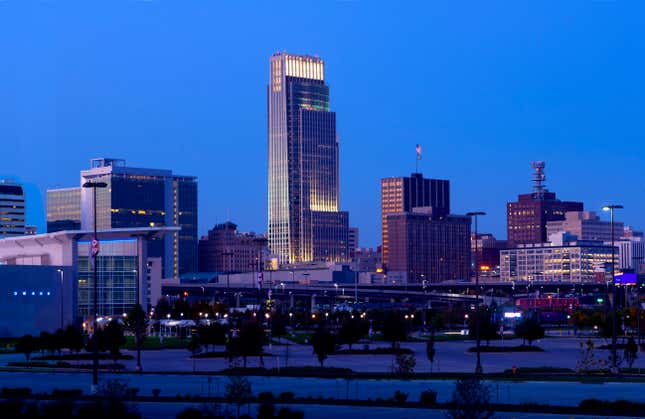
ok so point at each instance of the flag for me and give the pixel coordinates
(95, 247)
(418, 151)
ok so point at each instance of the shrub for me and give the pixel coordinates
(190, 413)
(287, 396)
(74, 393)
(15, 392)
(428, 398)
(400, 397)
(266, 396)
(156, 392)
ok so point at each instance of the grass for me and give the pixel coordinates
(502, 349)
(152, 343)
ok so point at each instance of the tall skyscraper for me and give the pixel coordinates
(12, 209)
(305, 222)
(527, 218)
(137, 197)
(403, 194)
(63, 209)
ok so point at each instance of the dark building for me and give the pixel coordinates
(429, 248)
(227, 250)
(305, 223)
(527, 218)
(403, 194)
(12, 209)
(485, 250)
(137, 197)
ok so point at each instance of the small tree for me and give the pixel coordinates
(351, 331)
(73, 338)
(114, 339)
(404, 364)
(394, 329)
(279, 326)
(430, 350)
(238, 392)
(529, 328)
(588, 362)
(162, 309)
(631, 352)
(136, 323)
(470, 400)
(488, 326)
(324, 344)
(26, 345)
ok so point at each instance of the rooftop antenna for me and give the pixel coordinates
(538, 179)
(418, 150)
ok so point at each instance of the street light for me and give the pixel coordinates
(95, 251)
(611, 209)
(478, 367)
(60, 271)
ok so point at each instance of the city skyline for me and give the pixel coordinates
(529, 98)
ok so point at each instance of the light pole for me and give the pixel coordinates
(60, 271)
(95, 252)
(611, 209)
(230, 255)
(478, 367)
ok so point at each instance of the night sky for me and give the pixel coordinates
(485, 87)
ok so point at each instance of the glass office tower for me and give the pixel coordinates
(305, 223)
(12, 209)
(63, 209)
(137, 197)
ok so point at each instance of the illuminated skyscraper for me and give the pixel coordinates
(12, 209)
(305, 223)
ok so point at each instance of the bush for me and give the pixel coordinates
(190, 413)
(287, 396)
(15, 392)
(266, 396)
(400, 397)
(74, 393)
(156, 392)
(428, 398)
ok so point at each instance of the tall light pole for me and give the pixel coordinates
(478, 367)
(612, 298)
(60, 271)
(95, 253)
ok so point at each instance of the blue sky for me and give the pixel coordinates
(485, 87)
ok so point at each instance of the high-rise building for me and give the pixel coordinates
(305, 223)
(585, 225)
(485, 250)
(136, 197)
(403, 194)
(63, 209)
(12, 209)
(429, 248)
(527, 218)
(227, 250)
(352, 241)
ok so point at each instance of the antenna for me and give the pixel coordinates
(538, 179)
(418, 150)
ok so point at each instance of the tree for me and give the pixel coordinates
(136, 322)
(488, 326)
(238, 391)
(631, 352)
(213, 334)
(249, 342)
(279, 326)
(351, 331)
(403, 364)
(73, 338)
(393, 328)
(114, 339)
(324, 344)
(162, 309)
(46, 342)
(470, 400)
(588, 362)
(529, 328)
(430, 350)
(26, 345)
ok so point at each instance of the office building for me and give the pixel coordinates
(63, 209)
(136, 197)
(12, 209)
(631, 253)
(429, 248)
(485, 250)
(33, 264)
(304, 217)
(352, 241)
(585, 225)
(528, 216)
(563, 259)
(403, 194)
(227, 250)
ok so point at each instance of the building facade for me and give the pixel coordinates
(63, 209)
(352, 241)
(585, 225)
(304, 217)
(428, 248)
(631, 253)
(528, 216)
(403, 194)
(136, 197)
(12, 209)
(485, 250)
(568, 261)
(227, 250)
